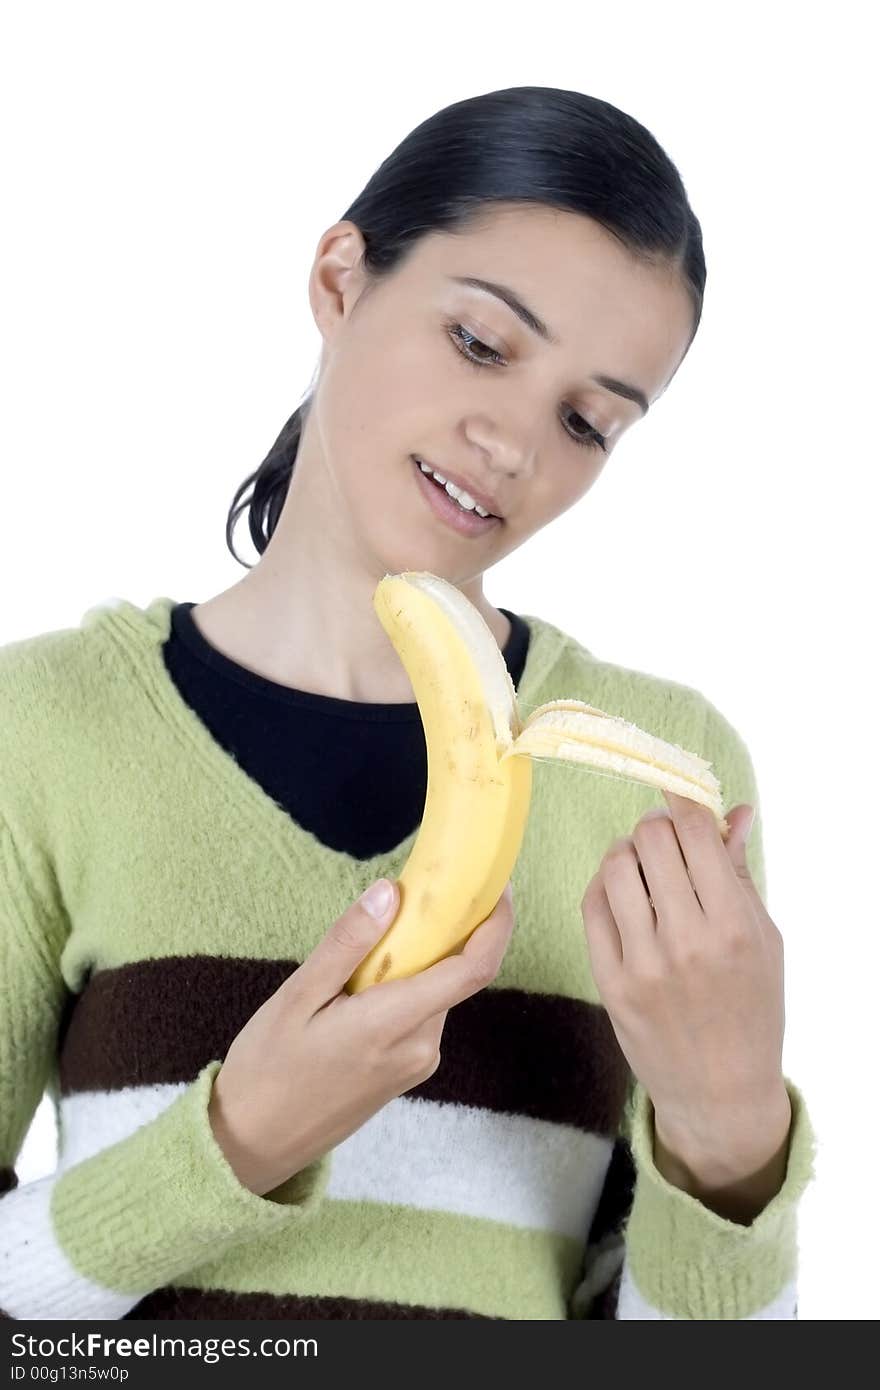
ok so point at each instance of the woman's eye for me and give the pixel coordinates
(465, 342)
(590, 435)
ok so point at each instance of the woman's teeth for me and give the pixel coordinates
(464, 499)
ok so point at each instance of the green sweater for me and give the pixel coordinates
(152, 895)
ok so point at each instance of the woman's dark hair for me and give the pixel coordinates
(545, 145)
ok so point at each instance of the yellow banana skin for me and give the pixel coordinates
(476, 807)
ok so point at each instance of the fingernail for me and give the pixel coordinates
(751, 823)
(377, 898)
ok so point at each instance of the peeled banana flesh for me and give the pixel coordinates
(480, 770)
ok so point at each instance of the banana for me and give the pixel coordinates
(480, 770)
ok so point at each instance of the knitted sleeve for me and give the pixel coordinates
(655, 1251)
(91, 1239)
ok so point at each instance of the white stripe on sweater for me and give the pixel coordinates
(473, 1162)
(93, 1120)
(413, 1152)
(631, 1304)
(45, 1284)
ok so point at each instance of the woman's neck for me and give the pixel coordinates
(303, 617)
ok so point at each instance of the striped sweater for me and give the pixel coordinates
(170, 850)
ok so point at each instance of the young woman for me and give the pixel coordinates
(583, 1114)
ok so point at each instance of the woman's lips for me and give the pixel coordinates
(448, 510)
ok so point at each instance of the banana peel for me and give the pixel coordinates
(480, 756)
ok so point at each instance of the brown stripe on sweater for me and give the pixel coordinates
(219, 1303)
(155, 1021)
(615, 1202)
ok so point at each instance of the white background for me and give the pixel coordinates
(167, 172)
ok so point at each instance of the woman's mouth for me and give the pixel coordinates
(466, 523)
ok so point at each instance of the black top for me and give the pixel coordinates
(354, 774)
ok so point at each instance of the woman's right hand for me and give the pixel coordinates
(313, 1063)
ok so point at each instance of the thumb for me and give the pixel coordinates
(377, 900)
(740, 819)
(325, 971)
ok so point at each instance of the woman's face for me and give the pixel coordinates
(522, 429)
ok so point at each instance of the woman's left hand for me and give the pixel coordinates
(690, 970)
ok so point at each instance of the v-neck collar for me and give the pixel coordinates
(139, 635)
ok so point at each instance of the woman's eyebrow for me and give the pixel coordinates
(537, 325)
